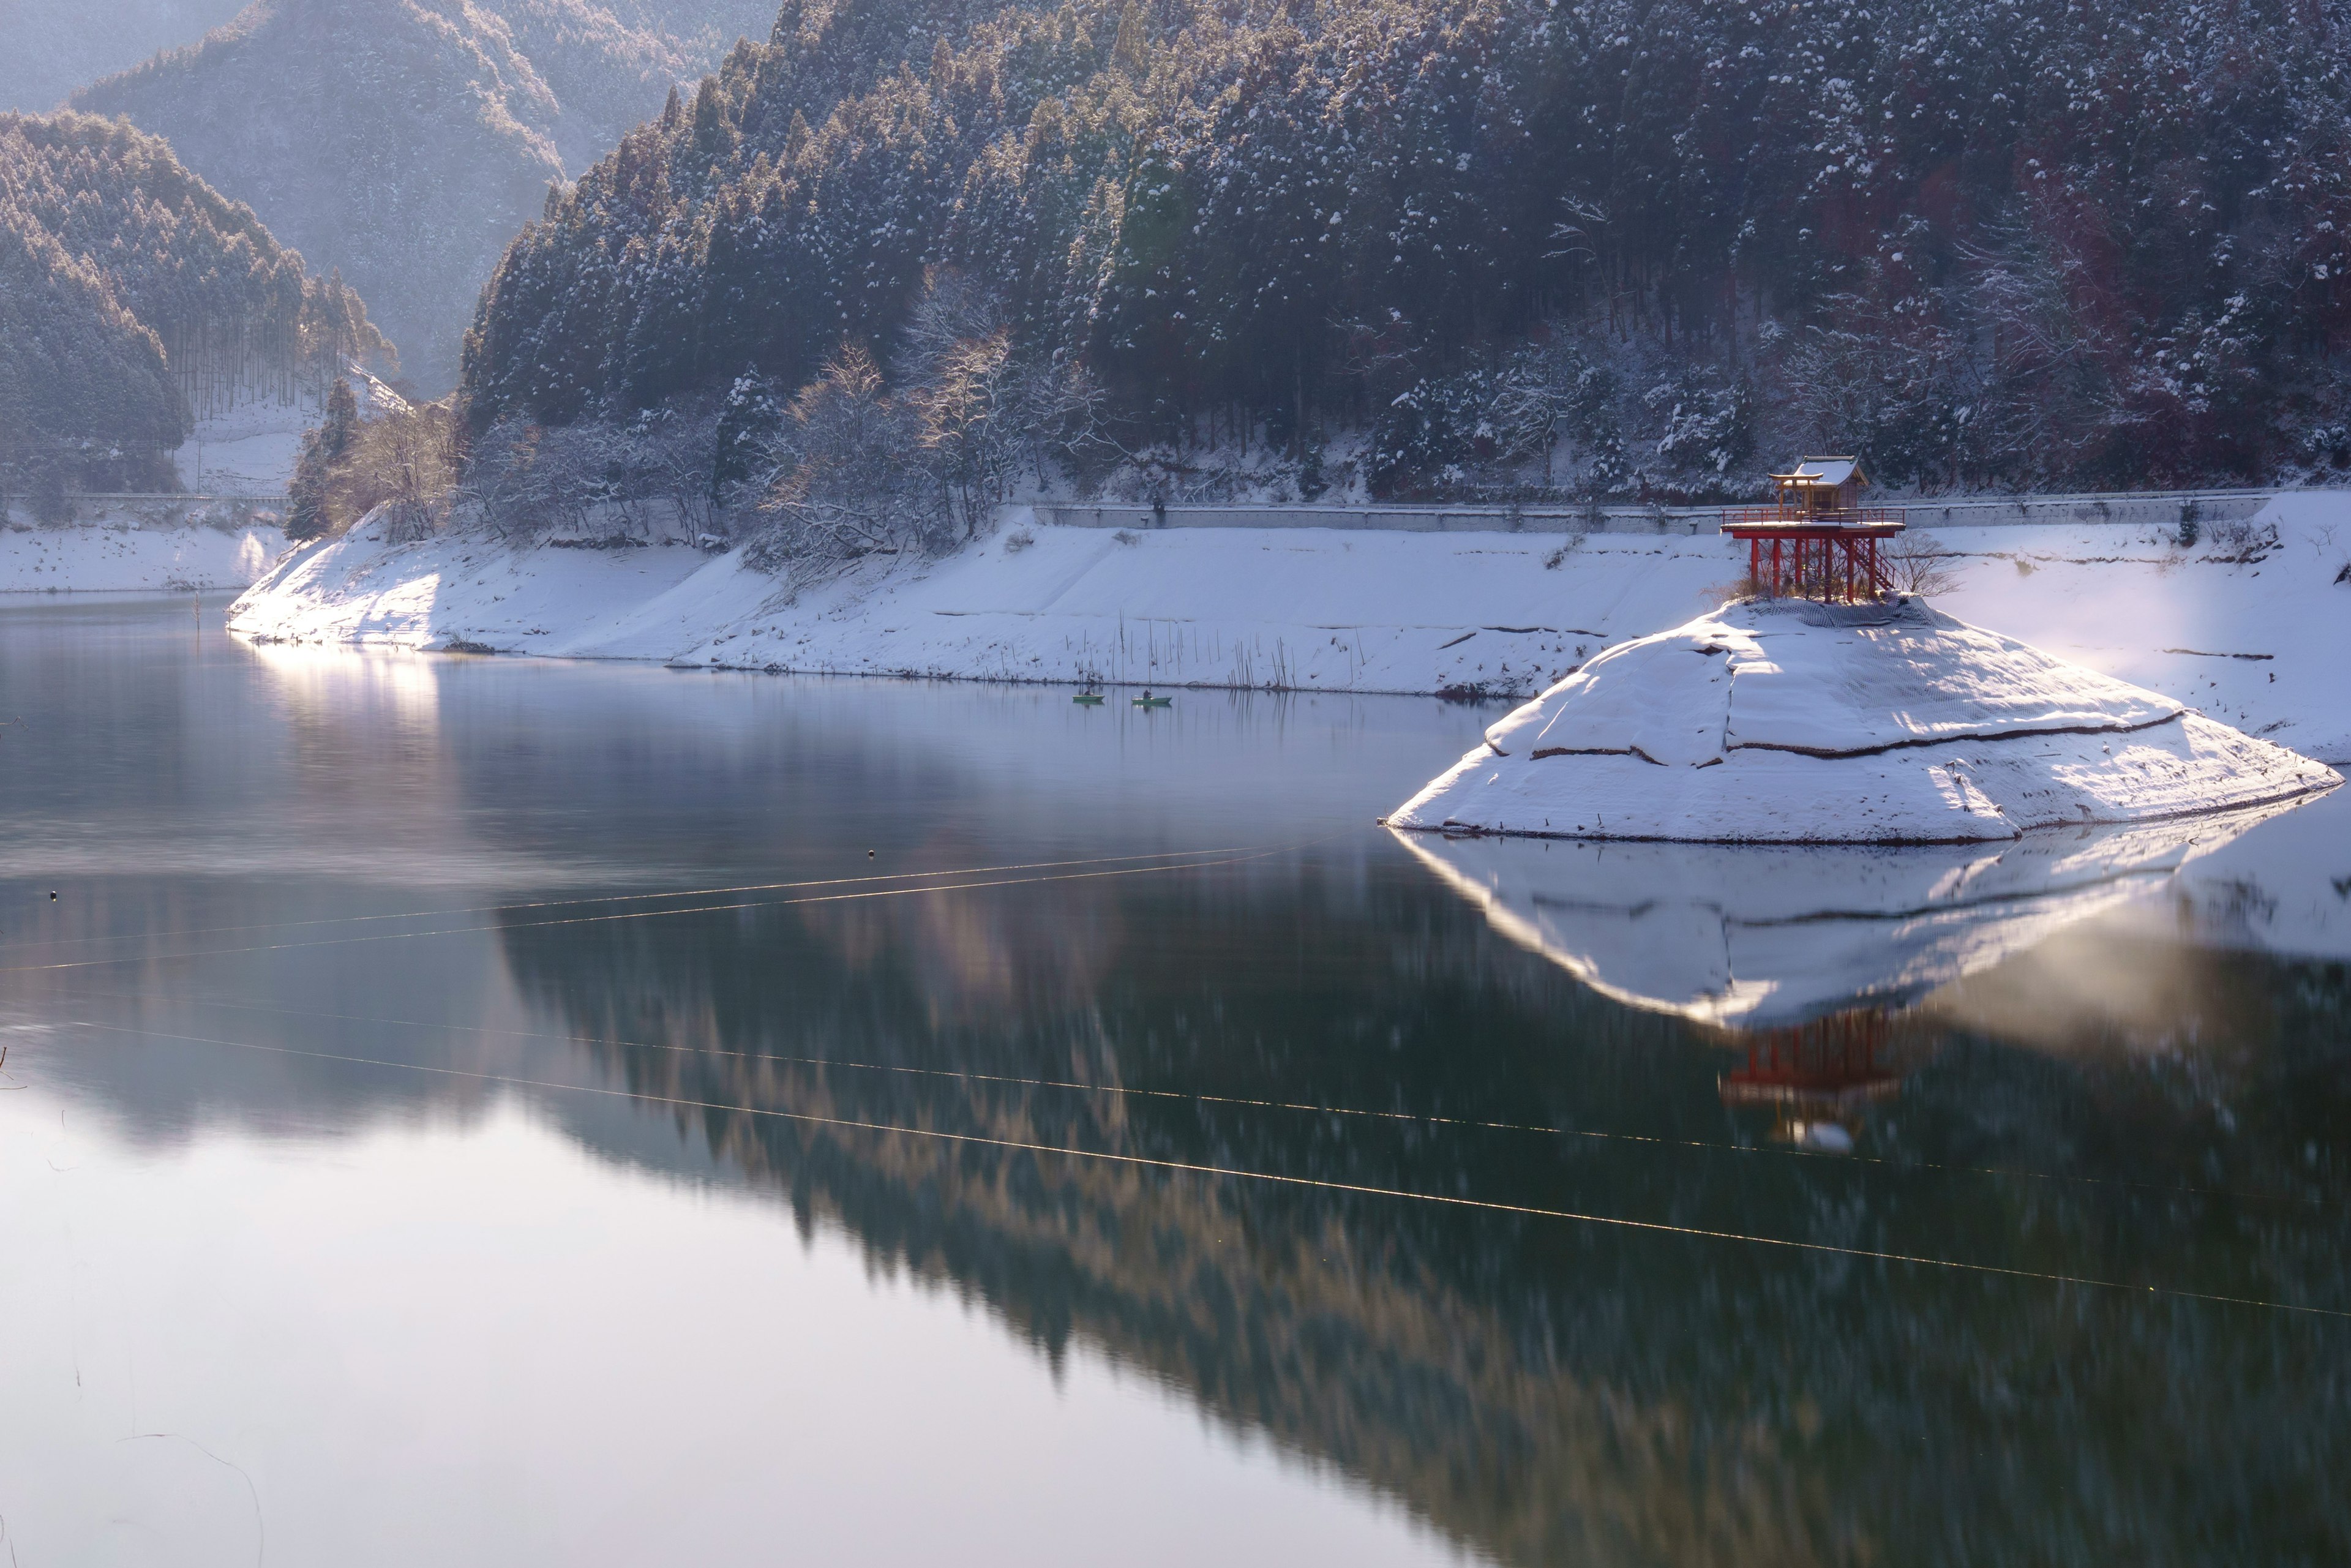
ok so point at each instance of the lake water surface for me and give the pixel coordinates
(479, 1110)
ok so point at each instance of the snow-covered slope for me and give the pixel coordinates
(1310, 607)
(250, 450)
(1758, 936)
(148, 548)
(1804, 722)
(2254, 634)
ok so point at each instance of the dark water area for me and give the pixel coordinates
(478, 1110)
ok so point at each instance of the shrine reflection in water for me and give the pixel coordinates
(1328, 1134)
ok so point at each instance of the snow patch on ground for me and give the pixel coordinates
(1802, 723)
(2248, 632)
(140, 548)
(1306, 608)
(250, 449)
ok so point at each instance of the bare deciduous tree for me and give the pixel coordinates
(1918, 564)
(842, 484)
(404, 462)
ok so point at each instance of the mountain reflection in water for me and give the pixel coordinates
(2102, 1071)
(1543, 1390)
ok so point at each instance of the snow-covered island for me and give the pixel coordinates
(1792, 721)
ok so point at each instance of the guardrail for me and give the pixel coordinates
(2163, 508)
(1789, 518)
(175, 497)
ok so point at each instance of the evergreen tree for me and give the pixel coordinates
(322, 449)
(2094, 244)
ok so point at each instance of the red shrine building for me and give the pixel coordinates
(1817, 1075)
(1816, 540)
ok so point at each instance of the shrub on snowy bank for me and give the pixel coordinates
(855, 468)
(856, 463)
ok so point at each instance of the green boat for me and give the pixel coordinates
(1152, 702)
(1092, 699)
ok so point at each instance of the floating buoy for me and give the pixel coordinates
(53, 898)
(868, 854)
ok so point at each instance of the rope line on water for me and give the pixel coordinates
(1233, 1173)
(614, 898)
(1073, 1085)
(626, 915)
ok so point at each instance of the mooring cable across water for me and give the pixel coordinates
(633, 914)
(1233, 1173)
(1194, 1096)
(612, 898)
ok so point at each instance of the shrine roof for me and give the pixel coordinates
(1827, 473)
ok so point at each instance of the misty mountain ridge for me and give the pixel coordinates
(406, 141)
(49, 48)
(135, 301)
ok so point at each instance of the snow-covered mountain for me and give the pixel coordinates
(135, 301)
(406, 141)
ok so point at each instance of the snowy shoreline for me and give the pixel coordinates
(150, 548)
(2250, 629)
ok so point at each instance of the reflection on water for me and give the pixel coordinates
(1758, 935)
(1018, 1096)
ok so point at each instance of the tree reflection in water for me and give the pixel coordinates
(1545, 1390)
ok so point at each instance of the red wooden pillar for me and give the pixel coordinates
(1775, 569)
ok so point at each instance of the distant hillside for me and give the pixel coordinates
(48, 48)
(406, 141)
(134, 300)
(1590, 246)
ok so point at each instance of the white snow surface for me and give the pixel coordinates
(251, 449)
(1306, 608)
(2254, 636)
(1760, 936)
(1804, 722)
(146, 547)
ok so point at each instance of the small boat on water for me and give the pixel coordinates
(1147, 700)
(1090, 699)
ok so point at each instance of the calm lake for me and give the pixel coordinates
(480, 1110)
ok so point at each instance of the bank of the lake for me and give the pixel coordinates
(2247, 625)
(141, 547)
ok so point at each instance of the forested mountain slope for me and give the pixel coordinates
(48, 48)
(404, 141)
(134, 298)
(1630, 248)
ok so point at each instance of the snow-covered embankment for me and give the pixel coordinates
(145, 547)
(2252, 629)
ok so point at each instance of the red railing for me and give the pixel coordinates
(1817, 563)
